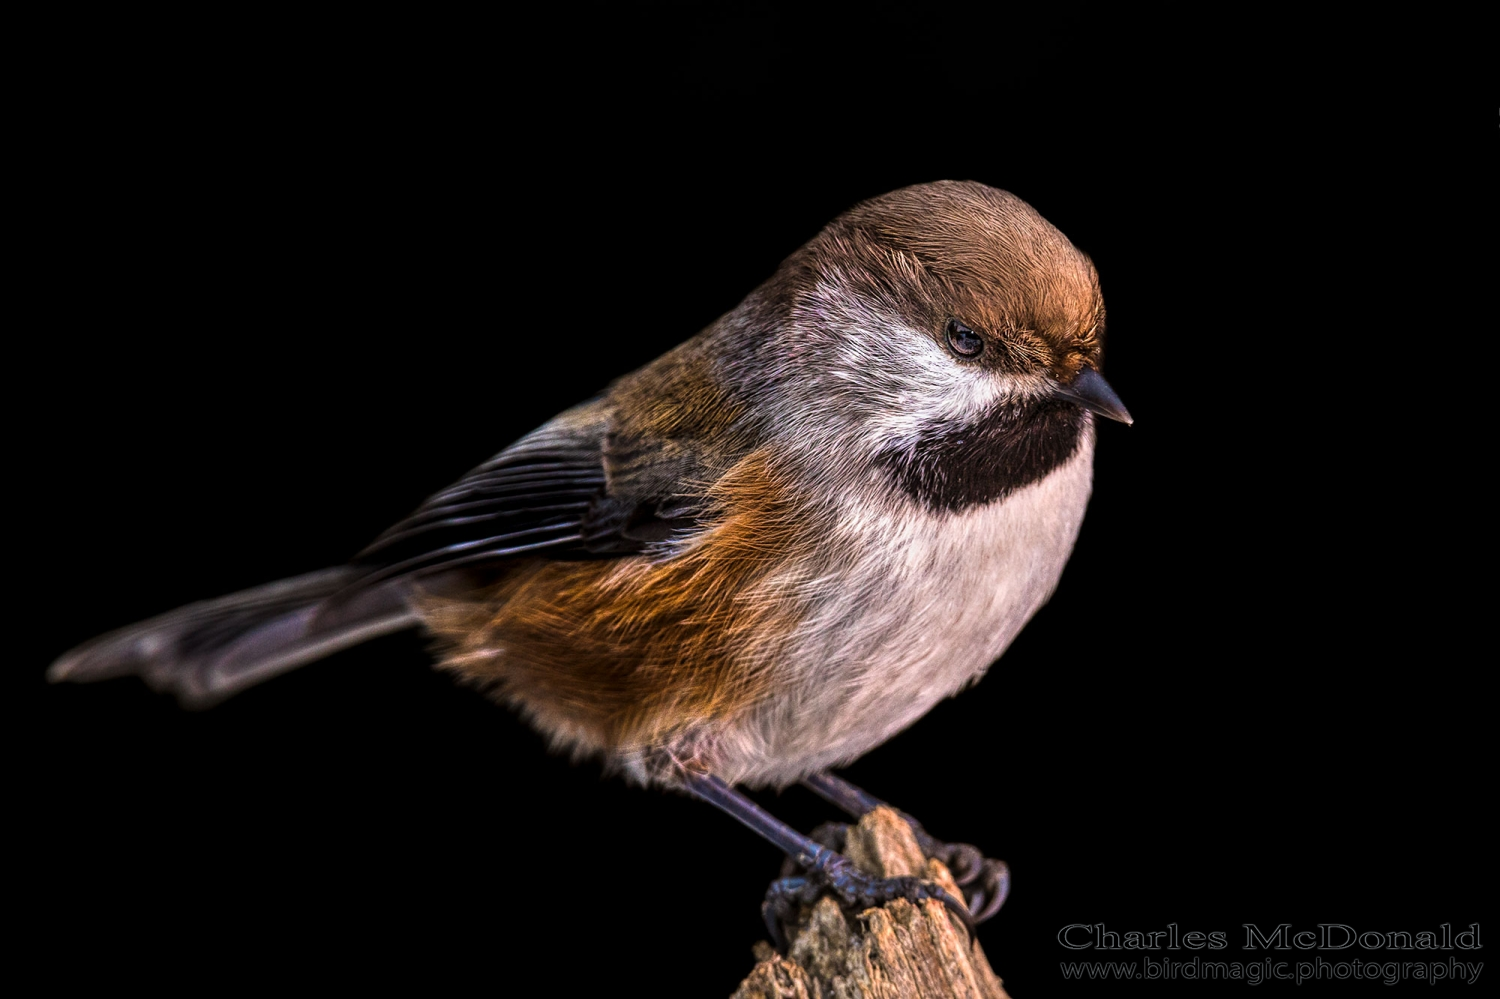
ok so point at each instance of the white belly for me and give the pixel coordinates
(917, 606)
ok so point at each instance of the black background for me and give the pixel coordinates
(289, 279)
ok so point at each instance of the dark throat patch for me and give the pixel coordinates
(955, 465)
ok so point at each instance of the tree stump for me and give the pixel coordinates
(898, 951)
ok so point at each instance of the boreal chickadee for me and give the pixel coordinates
(764, 553)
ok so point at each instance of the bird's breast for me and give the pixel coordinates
(914, 604)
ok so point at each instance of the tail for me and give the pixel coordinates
(207, 651)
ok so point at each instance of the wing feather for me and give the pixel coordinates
(581, 486)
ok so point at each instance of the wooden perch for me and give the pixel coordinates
(898, 951)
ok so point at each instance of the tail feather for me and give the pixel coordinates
(207, 651)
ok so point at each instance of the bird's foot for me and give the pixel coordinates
(832, 872)
(985, 881)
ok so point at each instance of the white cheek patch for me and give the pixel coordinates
(877, 384)
(920, 385)
(928, 384)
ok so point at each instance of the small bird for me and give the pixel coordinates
(759, 556)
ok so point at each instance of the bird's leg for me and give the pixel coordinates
(985, 882)
(825, 869)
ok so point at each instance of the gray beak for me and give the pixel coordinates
(1093, 393)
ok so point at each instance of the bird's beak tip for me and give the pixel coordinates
(1092, 392)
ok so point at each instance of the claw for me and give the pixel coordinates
(990, 896)
(965, 863)
(958, 909)
(855, 889)
(968, 865)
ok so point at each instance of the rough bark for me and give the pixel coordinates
(898, 951)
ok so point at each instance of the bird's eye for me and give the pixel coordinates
(964, 341)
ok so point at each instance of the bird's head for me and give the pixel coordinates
(946, 330)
